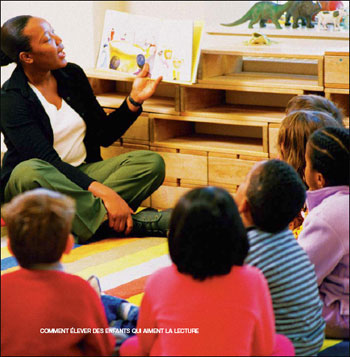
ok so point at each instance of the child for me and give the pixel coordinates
(44, 311)
(294, 132)
(312, 102)
(325, 236)
(295, 129)
(269, 198)
(207, 302)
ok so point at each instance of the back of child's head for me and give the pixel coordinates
(38, 224)
(315, 103)
(275, 194)
(294, 132)
(207, 236)
(328, 150)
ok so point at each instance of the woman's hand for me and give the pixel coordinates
(119, 212)
(143, 87)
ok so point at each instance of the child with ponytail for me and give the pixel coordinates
(293, 134)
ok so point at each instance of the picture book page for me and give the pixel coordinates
(174, 51)
(129, 41)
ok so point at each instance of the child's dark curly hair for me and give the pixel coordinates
(329, 154)
(276, 195)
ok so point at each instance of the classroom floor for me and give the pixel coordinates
(123, 265)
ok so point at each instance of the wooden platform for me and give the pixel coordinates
(213, 131)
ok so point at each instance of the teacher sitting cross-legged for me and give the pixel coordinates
(54, 127)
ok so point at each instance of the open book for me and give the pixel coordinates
(170, 47)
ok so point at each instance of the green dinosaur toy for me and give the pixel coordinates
(263, 11)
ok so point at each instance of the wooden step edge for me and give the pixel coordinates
(208, 148)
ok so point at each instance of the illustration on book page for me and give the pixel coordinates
(129, 41)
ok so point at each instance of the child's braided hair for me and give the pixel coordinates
(329, 154)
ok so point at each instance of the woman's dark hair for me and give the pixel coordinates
(13, 42)
(207, 236)
(329, 154)
(275, 195)
(317, 103)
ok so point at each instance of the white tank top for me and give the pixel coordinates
(68, 130)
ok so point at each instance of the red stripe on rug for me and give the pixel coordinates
(127, 290)
(3, 224)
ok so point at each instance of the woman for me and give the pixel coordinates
(53, 128)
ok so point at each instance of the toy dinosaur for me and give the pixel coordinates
(262, 12)
(303, 10)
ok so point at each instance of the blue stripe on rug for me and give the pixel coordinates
(11, 262)
(8, 263)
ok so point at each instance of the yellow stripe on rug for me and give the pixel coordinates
(124, 262)
(5, 252)
(329, 343)
(129, 247)
(136, 299)
(94, 248)
(9, 270)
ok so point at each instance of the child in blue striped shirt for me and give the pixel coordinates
(270, 197)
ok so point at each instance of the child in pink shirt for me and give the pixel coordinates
(207, 302)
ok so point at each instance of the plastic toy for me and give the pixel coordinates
(304, 10)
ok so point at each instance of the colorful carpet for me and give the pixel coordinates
(123, 266)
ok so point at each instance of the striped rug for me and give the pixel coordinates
(122, 266)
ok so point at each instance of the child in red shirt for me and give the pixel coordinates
(45, 311)
(207, 302)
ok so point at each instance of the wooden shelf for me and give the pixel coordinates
(111, 100)
(271, 31)
(280, 47)
(212, 132)
(241, 115)
(337, 90)
(215, 143)
(340, 52)
(108, 74)
(154, 104)
(263, 82)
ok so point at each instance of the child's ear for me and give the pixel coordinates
(245, 212)
(244, 206)
(320, 181)
(70, 244)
